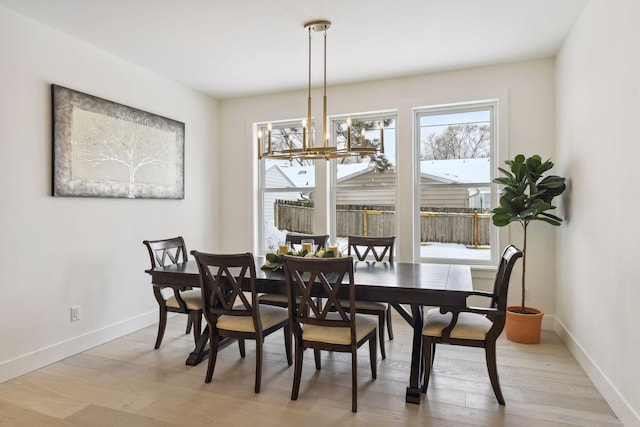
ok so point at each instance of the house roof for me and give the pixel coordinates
(454, 171)
(457, 171)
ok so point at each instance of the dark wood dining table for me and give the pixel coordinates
(413, 284)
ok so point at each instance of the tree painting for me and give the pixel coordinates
(121, 147)
(105, 149)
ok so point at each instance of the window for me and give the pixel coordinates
(364, 193)
(456, 146)
(363, 189)
(285, 190)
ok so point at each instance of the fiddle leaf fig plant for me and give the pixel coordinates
(526, 195)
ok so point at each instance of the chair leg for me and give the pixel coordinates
(297, 371)
(189, 323)
(162, 325)
(241, 347)
(316, 356)
(490, 354)
(381, 317)
(389, 325)
(258, 363)
(213, 354)
(428, 348)
(354, 379)
(373, 354)
(287, 342)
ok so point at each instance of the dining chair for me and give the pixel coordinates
(375, 249)
(472, 326)
(325, 323)
(230, 312)
(320, 240)
(187, 300)
(296, 241)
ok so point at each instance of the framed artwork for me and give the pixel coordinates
(105, 149)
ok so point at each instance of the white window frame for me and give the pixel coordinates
(262, 190)
(492, 106)
(334, 170)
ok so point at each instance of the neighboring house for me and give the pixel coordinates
(448, 175)
(454, 181)
(275, 177)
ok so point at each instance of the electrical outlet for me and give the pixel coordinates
(75, 313)
(527, 294)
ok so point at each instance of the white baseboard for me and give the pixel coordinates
(548, 322)
(45, 356)
(619, 405)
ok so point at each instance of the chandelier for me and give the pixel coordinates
(303, 147)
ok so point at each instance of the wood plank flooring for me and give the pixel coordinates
(126, 382)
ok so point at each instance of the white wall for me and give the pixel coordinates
(598, 137)
(60, 252)
(526, 119)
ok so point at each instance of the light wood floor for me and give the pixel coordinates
(127, 383)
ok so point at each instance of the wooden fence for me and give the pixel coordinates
(445, 225)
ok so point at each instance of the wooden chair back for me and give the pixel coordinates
(501, 284)
(379, 247)
(472, 326)
(308, 278)
(320, 240)
(166, 251)
(221, 280)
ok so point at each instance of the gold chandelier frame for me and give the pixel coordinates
(308, 150)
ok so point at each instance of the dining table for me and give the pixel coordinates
(399, 283)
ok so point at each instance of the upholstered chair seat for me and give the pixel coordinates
(470, 326)
(370, 305)
(269, 316)
(364, 326)
(193, 298)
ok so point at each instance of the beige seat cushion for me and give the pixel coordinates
(364, 325)
(275, 298)
(367, 305)
(269, 316)
(193, 298)
(470, 326)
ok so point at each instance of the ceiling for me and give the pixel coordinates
(234, 48)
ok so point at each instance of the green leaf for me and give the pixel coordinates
(501, 219)
(548, 220)
(504, 181)
(271, 257)
(273, 266)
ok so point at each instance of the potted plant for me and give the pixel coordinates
(526, 196)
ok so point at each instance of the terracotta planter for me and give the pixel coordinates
(524, 328)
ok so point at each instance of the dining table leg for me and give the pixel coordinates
(415, 378)
(201, 351)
